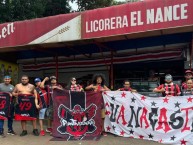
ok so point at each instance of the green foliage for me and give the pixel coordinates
(5, 11)
(27, 9)
(93, 4)
(54, 7)
(18, 10)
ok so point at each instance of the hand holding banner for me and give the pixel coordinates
(166, 120)
(25, 109)
(4, 105)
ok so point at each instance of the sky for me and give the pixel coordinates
(74, 6)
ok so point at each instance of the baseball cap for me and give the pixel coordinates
(7, 77)
(188, 71)
(52, 77)
(37, 80)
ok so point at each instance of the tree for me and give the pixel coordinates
(5, 11)
(92, 4)
(27, 9)
(55, 7)
(18, 10)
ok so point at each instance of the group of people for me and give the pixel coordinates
(43, 96)
(43, 99)
(169, 88)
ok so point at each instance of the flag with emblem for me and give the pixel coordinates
(77, 115)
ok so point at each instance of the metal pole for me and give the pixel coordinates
(111, 72)
(191, 53)
(56, 65)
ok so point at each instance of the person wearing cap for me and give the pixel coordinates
(25, 88)
(169, 88)
(53, 85)
(189, 90)
(188, 76)
(43, 103)
(7, 87)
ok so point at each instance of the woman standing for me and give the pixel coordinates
(98, 85)
(72, 86)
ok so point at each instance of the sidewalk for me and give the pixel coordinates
(30, 139)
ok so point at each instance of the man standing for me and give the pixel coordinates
(188, 76)
(53, 85)
(8, 88)
(43, 102)
(189, 90)
(168, 89)
(127, 87)
(25, 88)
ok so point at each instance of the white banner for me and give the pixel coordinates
(167, 120)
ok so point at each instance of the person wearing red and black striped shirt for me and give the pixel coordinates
(169, 88)
(43, 103)
(53, 85)
(127, 87)
(73, 86)
(188, 76)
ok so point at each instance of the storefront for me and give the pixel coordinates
(122, 42)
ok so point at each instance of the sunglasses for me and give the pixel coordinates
(73, 80)
(188, 74)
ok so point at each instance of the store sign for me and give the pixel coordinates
(166, 120)
(6, 30)
(116, 20)
(43, 30)
(137, 17)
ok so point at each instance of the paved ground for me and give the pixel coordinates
(45, 140)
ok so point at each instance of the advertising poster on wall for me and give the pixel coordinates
(10, 69)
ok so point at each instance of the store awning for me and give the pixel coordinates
(127, 21)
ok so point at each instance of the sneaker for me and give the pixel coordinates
(42, 132)
(48, 130)
(35, 132)
(2, 135)
(11, 132)
(24, 133)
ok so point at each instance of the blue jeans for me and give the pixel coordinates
(10, 120)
